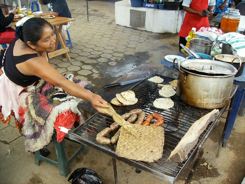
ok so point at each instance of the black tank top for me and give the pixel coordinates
(12, 71)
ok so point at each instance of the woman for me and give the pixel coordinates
(58, 8)
(26, 62)
(7, 35)
(195, 16)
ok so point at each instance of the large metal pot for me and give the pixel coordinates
(203, 88)
(200, 45)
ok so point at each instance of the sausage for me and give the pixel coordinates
(114, 125)
(100, 137)
(126, 115)
(158, 123)
(115, 137)
(141, 118)
(156, 116)
(135, 111)
(103, 140)
(132, 118)
(147, 120)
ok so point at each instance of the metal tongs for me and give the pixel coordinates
(190, 52)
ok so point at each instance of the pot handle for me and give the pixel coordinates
(178, 66)
(240, 61)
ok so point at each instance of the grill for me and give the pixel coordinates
(177, 121)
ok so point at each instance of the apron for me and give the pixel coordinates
(194, 20)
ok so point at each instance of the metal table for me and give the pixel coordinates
(168, 171)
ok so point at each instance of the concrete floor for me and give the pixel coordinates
(104, 51)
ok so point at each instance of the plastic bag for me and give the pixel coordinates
(66, 120)
(84, 176)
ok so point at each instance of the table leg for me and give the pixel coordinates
(115, 169)
(231, 116)
(242, 106)
(196, 164)
(64, 49)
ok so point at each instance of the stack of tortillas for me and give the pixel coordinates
(165, 91)
(125, 98)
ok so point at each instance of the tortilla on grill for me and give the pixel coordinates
(128, 95)
(173, 83)
(124, 101)
(156, 79)
(115, 101)
(167, 91)
(163, 103)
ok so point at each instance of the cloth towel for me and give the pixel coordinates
(236, 40)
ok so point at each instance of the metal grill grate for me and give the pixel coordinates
(177, 121)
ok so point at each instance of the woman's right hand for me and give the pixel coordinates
(98, 102)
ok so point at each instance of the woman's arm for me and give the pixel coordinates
(41, 68)
(190, 10)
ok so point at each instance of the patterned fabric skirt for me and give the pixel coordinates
(41, 109)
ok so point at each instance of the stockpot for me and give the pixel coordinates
(205, 83)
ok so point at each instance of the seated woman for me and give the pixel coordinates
(7, 35)
(26, 62)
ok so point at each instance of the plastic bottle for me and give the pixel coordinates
(14, 5)
(192, 34)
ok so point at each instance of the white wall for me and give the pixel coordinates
(158, 21)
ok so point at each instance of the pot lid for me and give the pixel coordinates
(206, 66)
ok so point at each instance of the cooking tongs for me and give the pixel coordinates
(190, 52)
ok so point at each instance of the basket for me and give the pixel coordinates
(174, 5)
(150, 5)
(136, 3)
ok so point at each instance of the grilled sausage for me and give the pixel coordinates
(114, 125)
(135, 111)
(156, 116)
(115, 137)
(147, 120)
(100, 138)
(126, 115)
(132, 118)
(141, 118)
(158, 123)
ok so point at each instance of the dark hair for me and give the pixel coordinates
(32, 30)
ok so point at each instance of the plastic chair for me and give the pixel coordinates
(68, 42)
(4, 45)
(33, 4)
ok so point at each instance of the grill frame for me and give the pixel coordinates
(167, 171)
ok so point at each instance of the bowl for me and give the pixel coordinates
(38, 13)
(202, 55)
